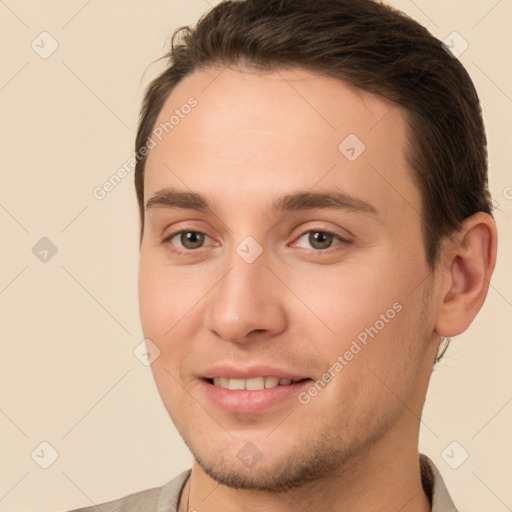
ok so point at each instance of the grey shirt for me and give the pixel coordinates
(167, 497)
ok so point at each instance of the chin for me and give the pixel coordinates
(275, 478)
(271, 470)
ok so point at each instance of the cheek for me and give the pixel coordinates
(166, 294)
(343, 304)
(152, 296)
(376, 369)
(367, 312)
(171, 309)
(165, 304)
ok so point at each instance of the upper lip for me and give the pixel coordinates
(249, 372)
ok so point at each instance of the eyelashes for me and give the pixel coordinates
(320, 241)
(327, 237)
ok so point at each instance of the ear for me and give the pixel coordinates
(468, 261)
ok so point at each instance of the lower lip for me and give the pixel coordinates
(251, 402)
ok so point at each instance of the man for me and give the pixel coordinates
(315, 225)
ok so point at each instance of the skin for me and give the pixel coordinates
(252, 138)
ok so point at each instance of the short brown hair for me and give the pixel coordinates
(372, 46)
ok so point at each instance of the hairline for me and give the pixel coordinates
(410, 154)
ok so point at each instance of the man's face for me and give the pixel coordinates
(332, 297)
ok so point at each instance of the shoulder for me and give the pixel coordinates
(133, 502)
(434, 486)
(156, 499)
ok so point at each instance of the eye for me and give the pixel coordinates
(183, 242)
(321, 239)
(189, 240)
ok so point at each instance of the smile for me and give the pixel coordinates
(252, 384)
(252, 395)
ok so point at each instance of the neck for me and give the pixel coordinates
(386, 477)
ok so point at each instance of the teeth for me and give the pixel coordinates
(271, 382)
(252, 384)
(236, 384)
(221, 381)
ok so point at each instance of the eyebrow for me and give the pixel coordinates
(300, 201)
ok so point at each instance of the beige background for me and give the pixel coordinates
(69, 326)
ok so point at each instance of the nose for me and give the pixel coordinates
(249, 299)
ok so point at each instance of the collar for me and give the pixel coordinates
(434, 486)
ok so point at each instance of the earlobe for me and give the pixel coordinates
(471, 263)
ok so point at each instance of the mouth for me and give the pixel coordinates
(253, 383)
(253, 395)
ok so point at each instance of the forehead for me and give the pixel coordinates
(281, 129)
